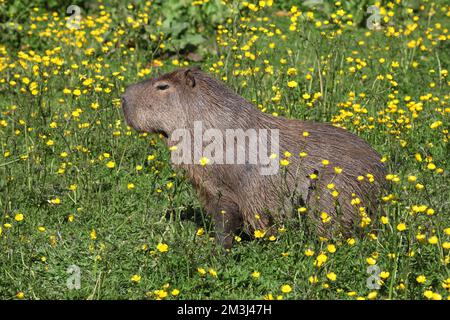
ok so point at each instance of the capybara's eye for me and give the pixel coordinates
(162, 86)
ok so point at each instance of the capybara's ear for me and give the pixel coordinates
(189, 78)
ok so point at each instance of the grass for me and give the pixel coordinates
(78, 187)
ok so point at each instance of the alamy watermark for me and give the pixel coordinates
(230, 146)
(74, 20)
(74, 279)
(373, 281)
(374, 20)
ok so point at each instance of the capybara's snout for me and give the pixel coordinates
(129, 107)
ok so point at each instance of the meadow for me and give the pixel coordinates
(91, 209)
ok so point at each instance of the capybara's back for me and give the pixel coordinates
(277, 167)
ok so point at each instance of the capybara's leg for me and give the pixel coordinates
(227, 221)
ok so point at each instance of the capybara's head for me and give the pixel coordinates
(159, 105)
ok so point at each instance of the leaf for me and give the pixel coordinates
(177, 28)
(194, 39)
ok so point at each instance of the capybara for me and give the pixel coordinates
(327, 173)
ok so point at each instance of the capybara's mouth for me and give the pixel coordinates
(128, 115)
(161, 132)
(130, 122)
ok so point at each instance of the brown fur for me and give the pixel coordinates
(237, 195)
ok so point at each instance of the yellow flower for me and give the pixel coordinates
(302, 210)
(372, 295)
(256, 274)
(436, 296)
(160, 294)
(309, 252)
(432, 295)
(332, 276)
(18, 217)
(420, 237)
(284, 162)
(20, 295)
(200, 232)
(286, 288)
(371, 261)
(325, 217)
(421, 279)
(93, 234)
(201, 271)
(320, 260)
(418, 157)
(162, 247)
(204, 161)
(88, 82)
(331, 248)
(130, 186)
(136, 278)
(337, 170)
(433, 240)
(111, 164)
(212, 272)
(268, 297)
(428, 294)
(401, 227)
(325, 162)
(175, 292)
(435, 124)
(313, 279)
(292, 84)
(384, 220)
(292, 71)
(55, 201)
(306, 96)
(259, 234)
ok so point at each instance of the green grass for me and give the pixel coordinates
(391, 104)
